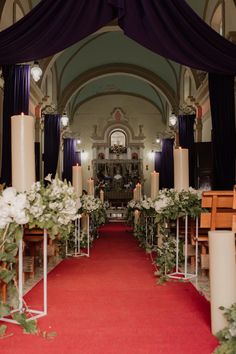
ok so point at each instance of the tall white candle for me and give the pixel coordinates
(139, 191)
(102, 195)
(154, 184)
(77, 179)
(222, 275)
(135, 194)
(90, 186)
(23, 157)
(181, 169)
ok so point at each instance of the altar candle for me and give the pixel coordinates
(23, 158)
(77, 179)
(181, 169)
(135, 194)
(154, 184)
(102, 195)
(139, 191)
(90, 186)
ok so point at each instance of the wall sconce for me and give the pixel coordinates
(146, 167)
(36, 71)
(64, 120)
(172, 120)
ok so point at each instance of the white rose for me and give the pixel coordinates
(9, 195)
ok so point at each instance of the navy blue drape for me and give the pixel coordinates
(16, 100)
(157, 164)
(223, 130)
(51, 143)
(69, 158)
(167, 164)
(186, 140)
(170, 28)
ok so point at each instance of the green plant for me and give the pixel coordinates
(166, 254)
(227, 336)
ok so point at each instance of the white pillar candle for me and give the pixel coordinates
(136, 217)
(139, 191)
(134, 194)
(102, 195)
(23, 157)
(90, 186)
(181, 169)
(154, 184)
(77, 179)
(222, 275)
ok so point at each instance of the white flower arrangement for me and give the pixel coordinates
(53, 207)
(13, 208)
(90, 204)
(134, 204)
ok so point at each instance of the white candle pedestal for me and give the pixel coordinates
(136, 217)
(23, 157)
(33, 314)
(185, 275)
(181, 169)
(77, 180)
(79, 229)
(222, 275)
(154, 184)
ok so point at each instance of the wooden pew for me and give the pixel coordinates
(221, 215)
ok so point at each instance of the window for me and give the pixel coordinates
(118, 137)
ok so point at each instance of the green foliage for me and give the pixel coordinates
(29, 326)
(3, 329)
(227, 336)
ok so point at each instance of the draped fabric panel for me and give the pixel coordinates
(223, 130)
(169, 28)
(51, 143)
(172, 29)
(167, 164)
(157, 164)
(186, 140)
(16, 100)
(69, 158)
(51, 27)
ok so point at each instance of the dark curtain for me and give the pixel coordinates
(51, 143)
(223, 130)
(167, 164)
(157, 164)
(170, 28)
(69, 158)
(52, 26)
(16, 100)
(186, 140)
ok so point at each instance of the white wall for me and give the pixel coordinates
(98, 111)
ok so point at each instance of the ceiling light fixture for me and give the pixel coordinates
(36, 71)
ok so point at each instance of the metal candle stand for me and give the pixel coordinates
(185, 275)
(21, 308)
(77, 252)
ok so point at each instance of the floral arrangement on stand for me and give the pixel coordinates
(97, 214)
(13, 216)
(165, 209)
(54, 207)
(169, 206)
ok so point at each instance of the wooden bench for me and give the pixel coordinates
(221, 215)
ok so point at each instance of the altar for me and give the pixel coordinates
(117, 178)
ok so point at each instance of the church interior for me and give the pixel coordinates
(112, 98)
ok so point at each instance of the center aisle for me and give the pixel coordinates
(111, 304)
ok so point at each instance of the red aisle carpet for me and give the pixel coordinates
(111, 304)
